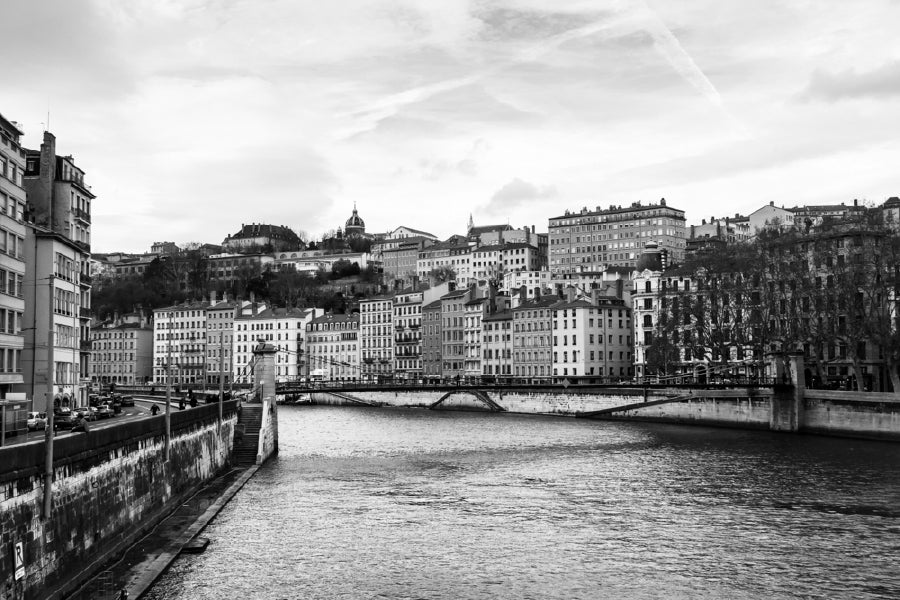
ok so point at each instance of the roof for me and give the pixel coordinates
(503, 315)
(489, 228)
(378, 298)
(455, 294)
(332, 318)
(542, 302)
(475, 301)
(612, 210)
(410, 229)
(262, 230)
(194, 305)
(432, 305)
(564, 304)
(892, 202)
(355, 221)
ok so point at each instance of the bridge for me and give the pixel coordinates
(584, 400)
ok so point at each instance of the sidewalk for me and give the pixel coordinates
(146, 560)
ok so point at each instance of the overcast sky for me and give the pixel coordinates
(192, 117)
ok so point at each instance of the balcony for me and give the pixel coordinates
(85, 344)
(83, 246)
(84, 313)
(82, 214)
(86, 280)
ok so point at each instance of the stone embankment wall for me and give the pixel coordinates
(268, 432)
(784, 408)
(109, 486)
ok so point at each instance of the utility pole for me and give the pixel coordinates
(48, 432)
(221, 372)
(168, 386)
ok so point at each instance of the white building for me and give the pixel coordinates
(592, 338)
(283, 328)
(333, 343)
(376, 322)
(179, 347)
(12, 264)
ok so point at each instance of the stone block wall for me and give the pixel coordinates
(109, 485)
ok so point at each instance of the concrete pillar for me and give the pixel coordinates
(264, 372)
(264, 392)
(786, 409)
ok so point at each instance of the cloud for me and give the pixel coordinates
(878, 83)
(516, 193)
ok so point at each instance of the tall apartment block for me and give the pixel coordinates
(588, 240)
(58, 282)
(12, 263)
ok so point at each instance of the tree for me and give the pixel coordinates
(442, 274)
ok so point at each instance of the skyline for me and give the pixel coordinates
(223, 114)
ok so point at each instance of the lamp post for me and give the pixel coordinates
(168, 386)
(48, 435)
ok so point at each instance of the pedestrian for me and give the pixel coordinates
(154, 410)
(181, 404)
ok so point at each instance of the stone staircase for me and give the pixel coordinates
(244, 453)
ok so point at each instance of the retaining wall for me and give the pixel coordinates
(109, 486)
(845, 414)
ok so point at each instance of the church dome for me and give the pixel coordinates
(354, 223)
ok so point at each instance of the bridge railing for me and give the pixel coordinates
(555, 383)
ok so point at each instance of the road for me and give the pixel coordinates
(140, 409)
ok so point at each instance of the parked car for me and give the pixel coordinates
(127, 400)
(88, 413)
(37, 421)
(65, 419)
(104, 411)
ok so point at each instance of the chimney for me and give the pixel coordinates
(620, 287)
(570, 293)
(523, 293)
(212, 297)
(771, 203)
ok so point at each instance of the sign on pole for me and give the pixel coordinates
(19, 558)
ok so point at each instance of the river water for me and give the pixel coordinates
(403, 503)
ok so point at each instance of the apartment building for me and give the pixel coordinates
(12, 263)
(497, 344)
(284, 329)
(431, 341)
(333, 347)
(592, 338)
(532, 343)
(122, 351)
(590, 240)
(376, 335)
(179, 345)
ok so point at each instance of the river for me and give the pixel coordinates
(403, 503)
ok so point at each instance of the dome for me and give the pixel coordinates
(354, 224)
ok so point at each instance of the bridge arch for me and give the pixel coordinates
(479, 395)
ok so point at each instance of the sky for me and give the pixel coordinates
(193, 117)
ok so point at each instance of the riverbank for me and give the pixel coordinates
(145, 561)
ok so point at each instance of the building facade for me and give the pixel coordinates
(122, 351)
(12, 260)
(333, 343)
(376, 335)
(179, 345)
(590, 240)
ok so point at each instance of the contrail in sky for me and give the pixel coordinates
(639, 14)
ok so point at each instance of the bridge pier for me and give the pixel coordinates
(264, 391)
(785, 410)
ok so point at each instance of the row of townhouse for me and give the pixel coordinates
(446, 334)
(208, 343)
(45, 284)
